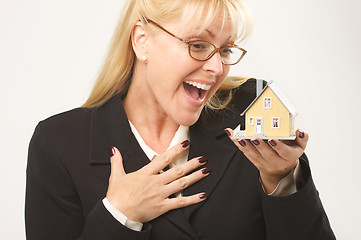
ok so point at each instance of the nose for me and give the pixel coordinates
(214, 65)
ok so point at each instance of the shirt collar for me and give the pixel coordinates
(181, 135)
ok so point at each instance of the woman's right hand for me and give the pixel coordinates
(144, 194)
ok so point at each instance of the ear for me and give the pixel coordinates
(139, 39)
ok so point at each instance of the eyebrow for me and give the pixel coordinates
(230, 40)
(210, 33)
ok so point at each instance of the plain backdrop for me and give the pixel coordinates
(51, 51)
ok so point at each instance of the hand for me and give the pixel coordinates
(143, 195)
(274, 160)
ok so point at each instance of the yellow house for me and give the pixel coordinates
(270, 115)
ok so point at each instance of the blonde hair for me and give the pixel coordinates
(116, 73)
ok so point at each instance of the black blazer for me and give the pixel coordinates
(69, 167)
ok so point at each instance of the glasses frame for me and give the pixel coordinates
(189, 43)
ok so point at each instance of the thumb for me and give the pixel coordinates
(302, 138)
(116, 162)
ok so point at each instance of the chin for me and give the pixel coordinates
(189, 119)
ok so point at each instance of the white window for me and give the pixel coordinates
(251, 121)
(267, 102)
(275, 122)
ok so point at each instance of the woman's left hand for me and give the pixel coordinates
(275, 159)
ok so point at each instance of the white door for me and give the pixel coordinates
(259, 125)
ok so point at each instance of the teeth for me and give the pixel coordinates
(199, 85)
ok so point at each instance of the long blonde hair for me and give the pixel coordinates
(116, 73)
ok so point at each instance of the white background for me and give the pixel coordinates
(51, 51)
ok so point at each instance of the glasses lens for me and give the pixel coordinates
(200, 50)
(231, 55)
(203, 50)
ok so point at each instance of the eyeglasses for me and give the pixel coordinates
(203, 50)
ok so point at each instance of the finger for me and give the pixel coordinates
(278, 157)
(264, 149)
(286, 150)
(174, 203)
(229, 132)
(302, 138)
(166, 158)
(182, 169)
(184, 182)
(116, 162)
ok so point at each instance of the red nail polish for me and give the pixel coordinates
(111, 151)
(206, 170)
(228, 132)
(273, 143)
(301, 134)
(242, 143)
(185, 143)
(203, 196)
(202, 159)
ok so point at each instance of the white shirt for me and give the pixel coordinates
(285, 187)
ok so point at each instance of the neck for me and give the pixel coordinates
(155, 127)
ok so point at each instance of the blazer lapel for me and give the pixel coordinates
(219, 156)
(109, 127)
(177, 217)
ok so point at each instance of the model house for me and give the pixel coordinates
(270, 115)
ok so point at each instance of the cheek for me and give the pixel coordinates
(222, 78)
(169, 66)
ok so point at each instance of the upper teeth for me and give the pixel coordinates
(199, 85)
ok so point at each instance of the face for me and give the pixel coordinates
(177, 85)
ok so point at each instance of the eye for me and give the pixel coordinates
(227, 51)
(199, 46)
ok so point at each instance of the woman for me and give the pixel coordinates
(172, 172)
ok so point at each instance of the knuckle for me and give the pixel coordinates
(178, 171)
(285, 154)
(269, 156)
(158, 192)
(183, 183)
(167, 159)
(181, 202)
(258, 158)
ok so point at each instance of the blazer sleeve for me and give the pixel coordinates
(297, 216)
(53, 209)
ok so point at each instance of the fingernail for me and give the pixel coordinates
(255, 142)
(272, 143)
(206, 170)
(203, 196)
(228, 132)
(301, 134)
(242, 142)
(185, 143)
(111, 151)
(202, 159)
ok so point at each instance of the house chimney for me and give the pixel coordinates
(259, 87)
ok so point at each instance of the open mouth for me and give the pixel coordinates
(197, 91)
